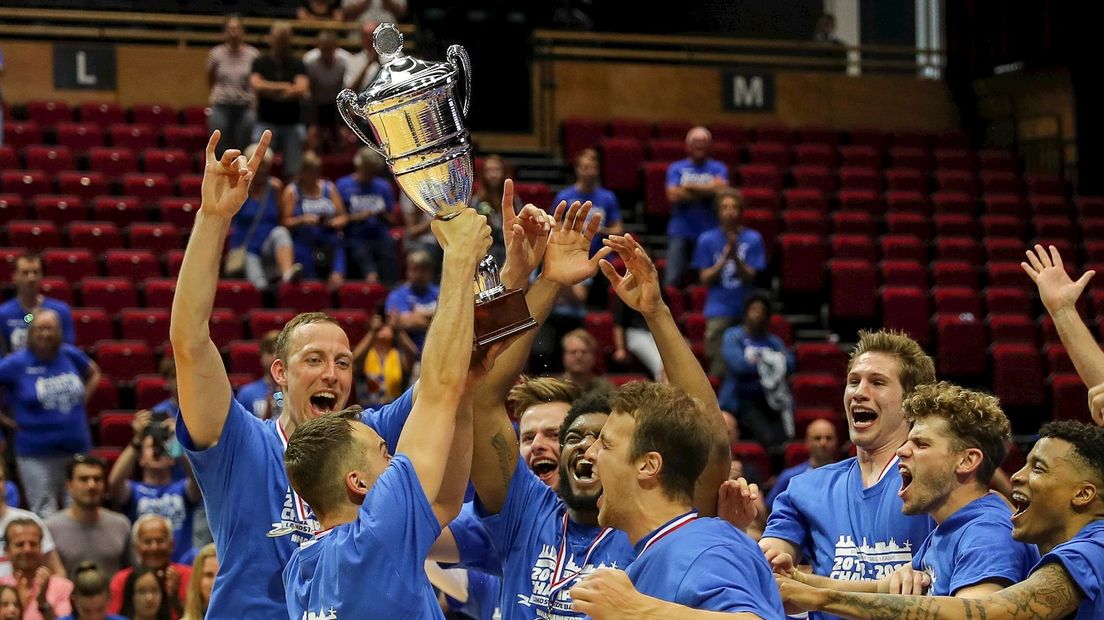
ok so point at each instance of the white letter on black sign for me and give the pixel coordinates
(83, 76)
(745, 95)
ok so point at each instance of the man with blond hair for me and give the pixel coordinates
(958, 439)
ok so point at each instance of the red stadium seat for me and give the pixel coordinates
(361, 296)
(621, 160)
(96, 236)
(958, 203)
(303, 296)
(134, 264)
(806, 198)
(153, 114)
(123, 360)
(854, 246)
(1045, 184)
(996, 182)
(92, 325)
(600, 325)
(760, 198)
(774, 133)
(961, 346)
(694, 326)
(673, 130)
(1058, 360)
(802, 260)
(245, 357)
(58, 288)
(159, 237)
(102, 114)
(146, 187)
(105, 397)
(191, 138)
(909, 224)
(1003, 226)
(816, 390)
(861, 156)
(772, 153)
(1014, 328)
(631, 128)
(905, 308)
(115, 428)
(113, 161)
(908, 202)
(169, 162)
(867, 201)
(904, 273)
(580, 134)
(805, 416)
(962, 181)
(997, 160)
(13, 207)
(60, 209)
(904, 247)
(1008, 300)
(262, 320)
(860, 178)
(48, 112)
(180, 212)
(72, 264)
(138, 137)
(8, 257)
(239, 296)
(1069, 397)
(795, 453)
(195, 115)
(353, 321)
(149, 390)
(20, 135)
(25, 183)
(817, 154)
(158, 292)
(226, 326)
(806, 221)
(80, 136)
(35, 235)
(823, 357)
(87, 185)
(697, 294)
(1009, 274)
(727, 132)
(869, 137)
(854, 222)
(150, 325)
(9, 160)
(666, 150)
(959, 248)
(781, 327)
(819, 135)
(761, 175)
(1089, 206)
(910, 157)
(752, 453)
(49, 159)
(952, 140)
(853, 287)
(912, 138)
(1054, 227)
(956, 300)
(1005, 204)
(655, 188)
(814, 177)
(906, 179)
(535, 193)
(1018, 379)
(955, 159)
(954, 273)
(111, 294)
(956, 225)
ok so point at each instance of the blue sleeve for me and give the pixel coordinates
(344, 191)
(398, 515)
(11, 494)
(8, 373)
(613, 208)
(720, 170)
(986, 552)
(79, 359)
(756, 255)
(703, 251)
(791, 362)
(389, 419)
(781, 484)
(526, 496)
(721, 580)
(1083, 559)
(560, 195)
(674, 174)
(338, 258)
(215, 469)
(732, 349)
(397, 302)
(68, 334)
(477, 550)
(787, 521)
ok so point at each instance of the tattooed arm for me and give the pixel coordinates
(1048, 594)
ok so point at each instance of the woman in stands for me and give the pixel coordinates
(229, 66)
(11, 608)
(144, 596)
(384, 358)
(269, 254)
(313, 211)
(488, 201)
(90, 594)
(204, 570)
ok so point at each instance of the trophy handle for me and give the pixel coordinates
(458, 58)
(346, 105)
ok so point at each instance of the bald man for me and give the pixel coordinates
(822, 440)
(692, 183)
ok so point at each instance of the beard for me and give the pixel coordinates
(575, 501)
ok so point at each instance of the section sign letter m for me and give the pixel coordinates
(748, 91)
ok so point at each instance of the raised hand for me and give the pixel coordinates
(567, 258)
(526, 237)
(466, 236)
(1056, 289)
(782, 563)
(639, 288)
(226, 181)
(141, 422)
(736, 502)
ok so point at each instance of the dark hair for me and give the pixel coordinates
(725, 193)
(315, 453)
(590, 402)
(759, 297)
(163, 612)
(18, 600)
(84, 459)
(89, 580)
(23, 522)
(670, 422)
(1087, 441)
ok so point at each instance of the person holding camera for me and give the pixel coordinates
(156, 493)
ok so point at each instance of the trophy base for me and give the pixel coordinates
(501, 317)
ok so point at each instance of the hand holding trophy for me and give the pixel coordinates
(417, 121)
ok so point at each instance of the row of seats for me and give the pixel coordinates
(107, 113)
(87, 136)
(111, 161)
(90, 184)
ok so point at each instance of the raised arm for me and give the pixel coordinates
(429, 430)
(1048, 594)
(640, 289)
(204, 390)
(123, 468)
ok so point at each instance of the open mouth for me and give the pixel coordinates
(861, 417)
(323, 402)
(544, 468)
(906, 480)
(583, 472)
(1020, 502)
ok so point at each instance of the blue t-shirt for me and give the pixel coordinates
(373, 567)
(783, 481)
(267, 209)
(691, 219)
(1083, 558)
(972, 546)
(46, 399)
(529, 532)
(741, 380)
(256, 520)
(473, 541)
(374, 197)
(170, 501)
(603, 202)
(309, 238)
(706, 564)
(11, 494)
(844, 530)
(255, 397)
(405, 299)
(725, 297)
(484, 592)
(14, 325)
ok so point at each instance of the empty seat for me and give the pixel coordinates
(959, 248)
(956, 300)
(754, 454)
(621, 160)
(158, 292)
(655, 188)
(262, 320)
(1018, 378)
(180, 212)
(1009, 274)
(694, 326)
(997, 182)
(815, 155)
(98, 237)
(245, 357)
(865, 200)
(115, 428)
(13, 207)
(904, 273)
(159, 237)
(772, 153)
(909, 224)
(816, 390)
(806, 221)
(962, 181)
(111, 294)
(146, 187)
(1008, 300)
(119, 210)
(961, 345)
(631, 128)
(819, 135)
(1042, 204)
(758, 198)
(869, 137)
(102, 113)
(20, 135)
(854, 246)
(138, 137)
(854, 222)
(768, 224)
(1007, 226)
(154, 114)
(904, 247)
(91, 325)
(1069, 397)
(122, 360)
(35, 235)
(49, 159)
(1058, 360)
(169, 162)
(150, 325)
(1045, 184)
(149, 390)
(998, 160)
(956, 224)
(87, 185)
(240, 296)
(814, 177)
(861, 156)
(802, 259)
(855, 178)
(9, 160)
(823, 357)
(191, 138)
(914, 139)
(1004, 248)
(806, 198)
(781, 327)
(47, 112)
(666, 150)
(70, 263)
(905, 308)
(24, 183)
(954, 203)
(136, 264)
(225, 327)
(303, 296)
(854, 284)
(1005, 204)
(354, 321)
(361, 295)
(1054, 227)
(910, 157)
(906, 179)
(1089, 206)
(761, 175)
(79, 136)
(955, 159)
(907, 202)
(774, 133)
(112, 161)
(1013, 328)
(195, 115)
(60, 209)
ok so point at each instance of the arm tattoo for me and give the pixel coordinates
(1048, 594)
(507, 459)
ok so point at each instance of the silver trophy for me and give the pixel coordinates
(417, 122)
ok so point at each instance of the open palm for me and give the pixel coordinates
(639, 288)
(226, 181)
(567, 258)
(525, 235)
(1056, 289)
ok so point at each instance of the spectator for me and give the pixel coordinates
(90, 594)
(728, 259)
(416, 301)
(258, 396)
(755, 385)
(319, 10)
(384, 357)
(374, 10)
(280, 81)
(229, 66)
(580, 360)
(269, 253)
(325, 66)
(362, 67)
(153, 541)
(10, 513)
(27, 278)
(204, 571)
(823, 444)
(586, 187)
(157, 493)
(692, 183)
(370, 202)
(487, 200)
(825, 29)
(47, 385)
(44, 596)
(416, 234)
(311, 208)
(11, 608)
(144, 596)
(170, 407)
(86, 531)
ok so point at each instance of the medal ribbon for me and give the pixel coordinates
(558, 580)
(669, 528)
(301, 508)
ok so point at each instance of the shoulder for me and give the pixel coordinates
(678, 165)
(825, 474)
(115, 519)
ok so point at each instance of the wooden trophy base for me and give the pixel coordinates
(502, 317)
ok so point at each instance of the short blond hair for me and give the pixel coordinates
(975, 420)
(540, 390)
(917, 367)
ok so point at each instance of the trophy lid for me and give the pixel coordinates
(401, 74)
